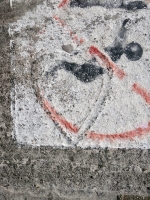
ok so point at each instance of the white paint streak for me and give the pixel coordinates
(9, 31)
(11, 1)
(11, 43)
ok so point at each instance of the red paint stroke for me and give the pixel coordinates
(58, 118)
(126, 135)
(63, 3)
(107, 62)
(141, 131)
(73, 36)
(142, 92)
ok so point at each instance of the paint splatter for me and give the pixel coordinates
(107, 62)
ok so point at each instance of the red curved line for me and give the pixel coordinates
(126, 135)
(107, 61)
(58, 118)
(142, 92)
(63, 3)
(92, 135)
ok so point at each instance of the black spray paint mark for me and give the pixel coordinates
(135, 5)
(85, 73)
(116, 51)
(89, 3)
(108, 4)
(133, 50)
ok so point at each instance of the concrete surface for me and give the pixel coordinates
(89, 105)
(53, 173)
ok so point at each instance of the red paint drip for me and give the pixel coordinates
(63, 3)
(126, 135)
(73, 36)
(142, 92)
(107, 62)
(57, 118)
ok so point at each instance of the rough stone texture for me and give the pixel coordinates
(47, 173)
(132, 198)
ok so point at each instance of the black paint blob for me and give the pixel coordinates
(85, 73)
(133, 51)
(115, 52)
(78, 3)
(136, 5)
(89, 3)
(108, 4)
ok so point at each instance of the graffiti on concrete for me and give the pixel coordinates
(133, 51)
(86, 72)
(107, 3)
(93, 94)
(107, 62)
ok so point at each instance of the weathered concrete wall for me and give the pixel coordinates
(48, 172)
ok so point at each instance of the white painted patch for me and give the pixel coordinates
(10, 3)
(106, 105)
